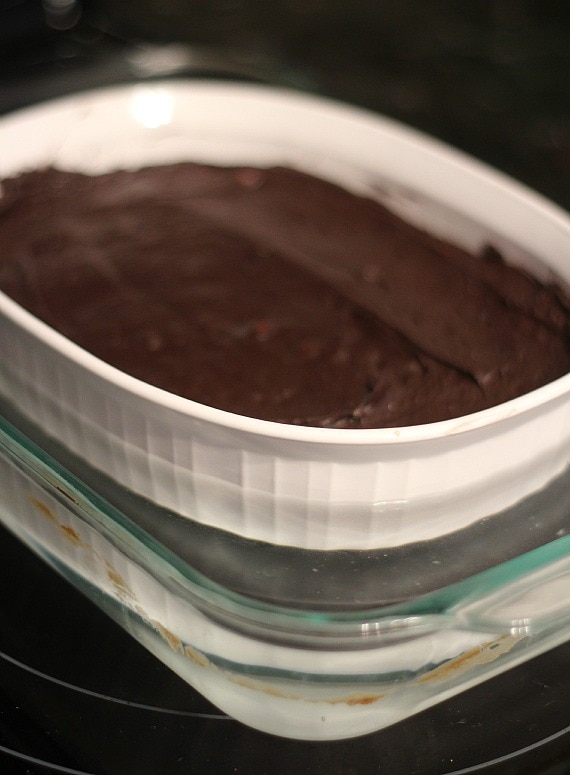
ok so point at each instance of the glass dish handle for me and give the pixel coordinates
(534, 602)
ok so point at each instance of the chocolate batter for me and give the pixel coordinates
(273, 294)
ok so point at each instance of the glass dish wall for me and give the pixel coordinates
(313, 672)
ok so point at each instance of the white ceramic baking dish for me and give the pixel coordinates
(306, 487)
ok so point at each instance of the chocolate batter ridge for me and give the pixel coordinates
(273, 294)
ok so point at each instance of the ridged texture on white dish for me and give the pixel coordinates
(312, 488)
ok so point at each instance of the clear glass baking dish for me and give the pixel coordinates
(307, 645)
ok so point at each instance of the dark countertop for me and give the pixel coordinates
(489, 78)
